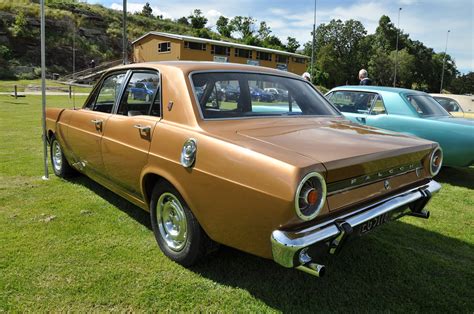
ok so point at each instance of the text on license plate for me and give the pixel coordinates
(374, 222)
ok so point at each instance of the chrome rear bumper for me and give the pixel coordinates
(289, 247)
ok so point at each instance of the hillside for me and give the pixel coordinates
(96, 31)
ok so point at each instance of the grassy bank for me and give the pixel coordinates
(74, 246)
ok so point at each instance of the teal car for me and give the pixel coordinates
(408, 112)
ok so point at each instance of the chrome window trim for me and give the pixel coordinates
(295, 77)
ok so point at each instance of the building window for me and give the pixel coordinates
(264, 56)
(220, 50)
(164, 47)
(194, 46)
(281, 59)
(299, 60)
(243, 53)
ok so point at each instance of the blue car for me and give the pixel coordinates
(143, 91)
(258, 94)
(410, 112)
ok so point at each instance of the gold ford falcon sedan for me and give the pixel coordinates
(216, 159)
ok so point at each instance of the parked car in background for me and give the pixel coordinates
(259, 94)
(278, 93)
(230, 93)
(409, 112)
(289, 183)
(143, 90)
(461, 106)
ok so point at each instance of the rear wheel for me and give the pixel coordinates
(177, 231)
(61, 167)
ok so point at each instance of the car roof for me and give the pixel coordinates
(379, 89)
(191, 66)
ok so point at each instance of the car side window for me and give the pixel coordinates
(108, 93)
(352, 101)
(449, 104)
(378, 107)
(141, 96)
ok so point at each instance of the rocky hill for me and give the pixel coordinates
(94, 30)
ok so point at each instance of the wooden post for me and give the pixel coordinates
(16, 92)
(70, 91)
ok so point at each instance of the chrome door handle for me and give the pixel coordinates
(142, 128)
(96, 121)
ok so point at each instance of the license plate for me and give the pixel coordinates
(374, 223)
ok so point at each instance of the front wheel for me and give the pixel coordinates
(61, 167)
(177, 231)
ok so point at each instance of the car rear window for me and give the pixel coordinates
(426, 106)
(240, 94)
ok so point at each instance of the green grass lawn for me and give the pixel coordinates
(9, 86)
(74, 246)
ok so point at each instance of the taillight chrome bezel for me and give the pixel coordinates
(322, 191)
(437, 153)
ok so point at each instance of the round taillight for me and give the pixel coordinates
(310, 196)
(436, 161)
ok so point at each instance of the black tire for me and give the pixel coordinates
(60, 165)
(196, 244)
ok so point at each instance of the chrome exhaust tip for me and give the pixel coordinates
(313, 269)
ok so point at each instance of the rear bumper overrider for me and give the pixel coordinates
(290, 248)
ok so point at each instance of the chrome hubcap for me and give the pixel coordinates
(57, 156)
(172, 221)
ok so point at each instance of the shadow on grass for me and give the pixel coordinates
(463, 177)
(398, 267)
(125, 206)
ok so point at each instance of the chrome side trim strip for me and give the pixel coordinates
(286, 244)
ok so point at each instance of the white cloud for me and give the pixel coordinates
(212, 16)
(134, 7)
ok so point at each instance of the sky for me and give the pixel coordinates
(425, 20)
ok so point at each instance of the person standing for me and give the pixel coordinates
(306, 76)
(364, 78)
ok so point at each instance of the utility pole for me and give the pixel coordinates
(43, 90)
(314, 42)
(125, 41)
(444, 62)
(396, 54)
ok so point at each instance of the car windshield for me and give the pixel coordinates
(251, 99)
(426, 106)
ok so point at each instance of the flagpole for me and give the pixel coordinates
(43, 93)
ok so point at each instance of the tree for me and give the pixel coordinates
(223, 26)
(198, 21)
(463, 84)
(245, 26)
(339, 45)
(264, 30)
(292, 44)
(405, 68)
(183, 20)
(147, 10)
(381, 68)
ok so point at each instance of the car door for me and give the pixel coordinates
(378, 115)
(355, 105)
(87, 125)
(127, 137)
